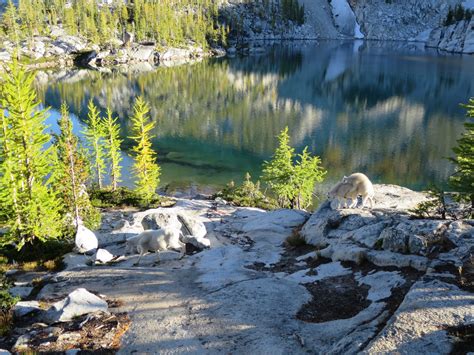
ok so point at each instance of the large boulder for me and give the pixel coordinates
(77, 303)
(142, 53)
(86, 241)
(67, 45)
(193, 230)
(420, 325)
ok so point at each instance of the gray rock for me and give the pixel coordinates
(75, 261)
(172, 54)
(469, 39)
(142, 53)
(418, 326)
(103, 256)
(23, 308)
(394, 239)
(160, 218)
(128, 38)
(387, 258)
(20, 291)
(68, 44)
(4, 352)
(349, 252)
(77, 303)
(22, 343)
(368, 235)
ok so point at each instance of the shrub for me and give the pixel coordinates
(247, 194)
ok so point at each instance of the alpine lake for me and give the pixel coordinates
(390, 110)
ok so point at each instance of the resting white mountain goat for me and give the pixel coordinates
(159, 240)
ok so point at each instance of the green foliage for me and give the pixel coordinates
(7, 302)
(95, 135)
(145, 168)
(167, 22)
(11, 23)
(30, 208)
(124, 198)
(292, 10)
(71, 174)
(457, 14)
(112, 147)
(247, 194)
(292, 182)
(435, 207)
(462, 181)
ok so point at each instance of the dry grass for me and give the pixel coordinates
(295, 239)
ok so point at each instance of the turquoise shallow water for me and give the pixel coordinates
(389, 110)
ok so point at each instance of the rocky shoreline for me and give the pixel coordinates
(368, 281)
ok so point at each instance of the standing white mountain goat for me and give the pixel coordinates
(159, 240)
(351, 187)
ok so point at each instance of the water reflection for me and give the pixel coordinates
(392, 112)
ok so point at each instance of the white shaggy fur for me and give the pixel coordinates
(159, 240)
(341, 194)
(131, 245)
(361, 185)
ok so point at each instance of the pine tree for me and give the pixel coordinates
(146, 170)
(94, 133)
(307, 172)
(31, 206)
(112, 145)
(11, 26)
(292, 183)
(278, 172)
(72, 172)
(463, 178)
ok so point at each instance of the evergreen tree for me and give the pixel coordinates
(72, 172)
(463, 178)
(278, 172)
(94, 133)
(292, 183)
(29, 204)
(112, 145)
(11, 26)
(146, 170)
(307, 172)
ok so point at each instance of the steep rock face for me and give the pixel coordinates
(458, 37)
(399, 20)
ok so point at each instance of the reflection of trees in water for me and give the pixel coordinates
(386, 117)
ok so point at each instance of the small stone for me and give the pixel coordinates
(22, 343)
(20, 291)
(23, 308)
(103, 256)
